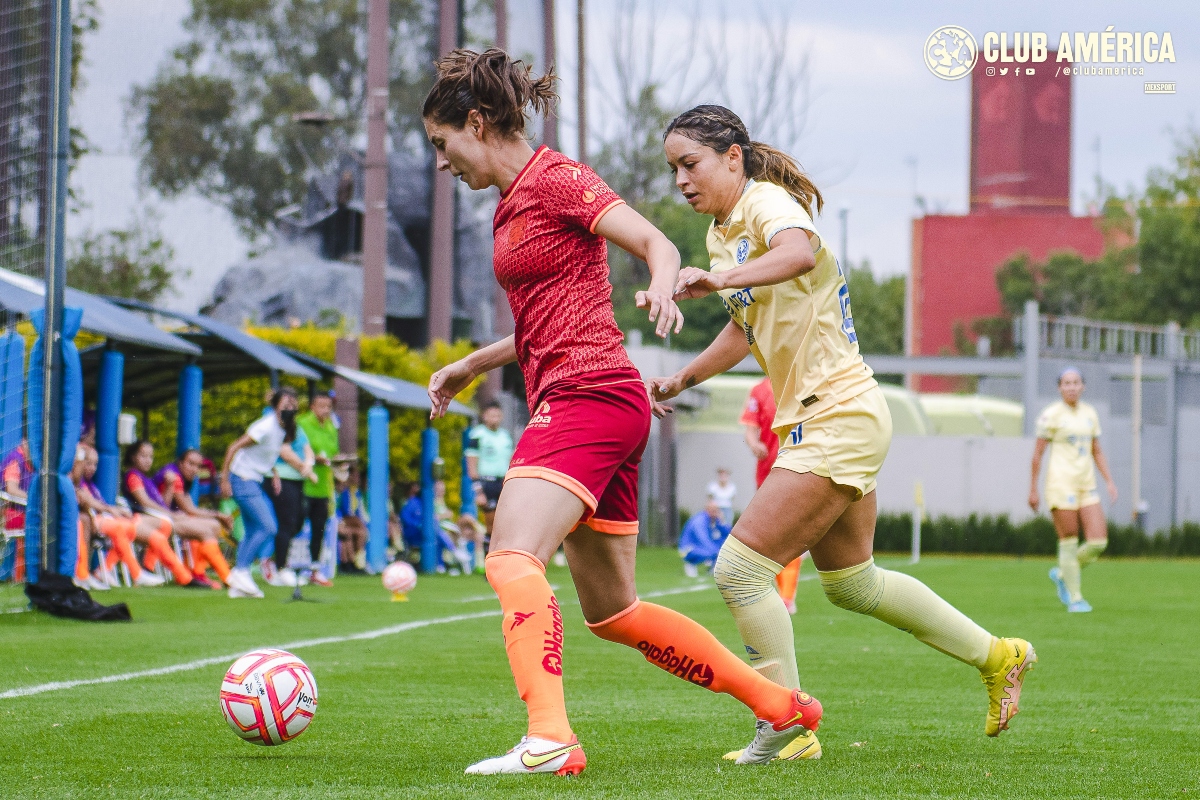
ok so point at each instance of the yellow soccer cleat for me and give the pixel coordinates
(1003, 676)
(803, 746)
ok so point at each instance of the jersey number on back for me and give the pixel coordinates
(844, 302)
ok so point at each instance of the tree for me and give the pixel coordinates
(230, 113)
(878, 309)
(133, 262)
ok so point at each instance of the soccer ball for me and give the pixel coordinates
(399, 577)
(269, 697)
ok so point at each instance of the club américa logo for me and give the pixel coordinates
(743, 250)
(951, 52)
(678, 664)
(553, 643)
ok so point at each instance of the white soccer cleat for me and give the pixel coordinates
(285, 577)
(534, 755)
(771, 738)
(148, 578)
(242, 585)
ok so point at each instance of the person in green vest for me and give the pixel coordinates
(322, 434)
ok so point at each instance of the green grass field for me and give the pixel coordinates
(1111, 710)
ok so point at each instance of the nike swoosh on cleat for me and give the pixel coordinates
(535, 760)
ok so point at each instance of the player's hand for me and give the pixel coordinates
(759, 450)
(445, 384)
(662, 309)
(661, 390)
(121, 511)
(226, 487)
(1034, 500)
(1112, 492)
(695, 283)
(276, 485)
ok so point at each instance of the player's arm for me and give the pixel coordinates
(12, 483)
(1039, 449)
(243, 441)
(453, 378)
(753, 436)
(726, 352)
(634, 234)
(473, 466)
(791, 255)
(1102, 465)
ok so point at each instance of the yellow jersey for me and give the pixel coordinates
(1070, 432)
(801, 331)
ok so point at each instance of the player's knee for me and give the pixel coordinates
(743, 576)
(858, 588)
(502, 567)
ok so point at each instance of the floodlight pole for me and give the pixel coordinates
(375, 173)
(56, 280)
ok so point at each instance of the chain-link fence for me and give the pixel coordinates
(25, 133)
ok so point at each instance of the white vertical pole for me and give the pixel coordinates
(1135, 495)
(918, 514)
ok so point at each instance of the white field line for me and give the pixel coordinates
(187, 666)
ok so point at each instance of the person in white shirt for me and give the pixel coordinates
(723, 490)
(249, 459)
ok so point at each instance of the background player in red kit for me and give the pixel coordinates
(573, 479)
(758, 415)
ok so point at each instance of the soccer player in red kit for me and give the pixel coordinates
(758, 417)
(573, 479)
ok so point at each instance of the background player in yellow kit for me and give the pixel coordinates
(1072, 430)
(790, 307)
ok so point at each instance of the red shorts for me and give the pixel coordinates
(587, 435)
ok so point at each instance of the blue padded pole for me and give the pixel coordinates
(187, 430)
(467, 507)
(377, 487)
(430, 444)
(108, 412)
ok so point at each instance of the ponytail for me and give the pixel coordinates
(719, 128)
(493, 84)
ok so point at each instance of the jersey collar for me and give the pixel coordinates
(537, 156)
(723, 227)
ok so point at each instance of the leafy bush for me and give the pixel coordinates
(985, 534)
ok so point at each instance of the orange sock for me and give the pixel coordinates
(81, 554)
(210, 551)
(199, 562)
(120, 533)
(533, 638)
(786, 581)
(162, 548)
(683, 647)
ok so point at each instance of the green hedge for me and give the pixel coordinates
(985, 534)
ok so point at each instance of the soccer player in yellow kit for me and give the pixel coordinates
(1071, 428)
(790, 307)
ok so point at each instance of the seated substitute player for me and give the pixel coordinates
(1071, 428)
(758, 415)
(789, 306)
(573, 478)
(174, 482)
(701, 539)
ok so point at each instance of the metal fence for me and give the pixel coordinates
(1076, 335)
(25, 121)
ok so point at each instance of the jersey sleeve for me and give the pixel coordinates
(1095, 424)
(133, 482)
(12, 472)
(473, 443)
(576, 195)
(772, 210)
(750, 412)
(1047, 424)
(260, 428)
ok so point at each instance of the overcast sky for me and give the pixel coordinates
(879, 123)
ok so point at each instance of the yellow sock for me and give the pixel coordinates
(1090, 550)
(746, 579)
(1068, 564)
(904, 602)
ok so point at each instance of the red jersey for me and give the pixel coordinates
(554, 268)
(760, 412)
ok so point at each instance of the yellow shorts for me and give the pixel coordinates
(846, 443)
(1070, 498)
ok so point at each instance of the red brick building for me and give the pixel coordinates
(1020, 203)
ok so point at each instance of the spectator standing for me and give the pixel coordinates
(488, 457)
(701, 539)
(322, 432)
(285, 487)
(352, 523)
(723, 491)
(758, 417)
(249, 459)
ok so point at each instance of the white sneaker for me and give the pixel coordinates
(148, 578)
(690, 570)
(108, 577)
(283, 577)
(771, 738)
(534, 755)
(241, 584)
